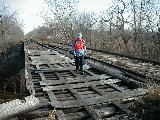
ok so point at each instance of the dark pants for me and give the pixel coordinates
(79, 61)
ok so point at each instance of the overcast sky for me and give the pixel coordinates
(29, 10)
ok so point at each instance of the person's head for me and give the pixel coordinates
(79, 35)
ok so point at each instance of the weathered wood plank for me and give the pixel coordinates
(100, 99)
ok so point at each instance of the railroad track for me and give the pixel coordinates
(142, 70)
(102, 92)
(95, 95)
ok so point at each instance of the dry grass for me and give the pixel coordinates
(52, 115)
(153, 97)
(4, 48)
(150, 107)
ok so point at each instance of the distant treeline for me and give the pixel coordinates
(127, 26)
(10, 28)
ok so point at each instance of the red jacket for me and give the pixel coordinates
(79, 44)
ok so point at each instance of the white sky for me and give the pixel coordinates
(29, 10)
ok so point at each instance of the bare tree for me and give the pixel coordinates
(62, 20)
(128, 26)
(10, 27)
(84, 23)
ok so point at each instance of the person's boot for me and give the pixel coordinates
(82, 72)
(77, 68)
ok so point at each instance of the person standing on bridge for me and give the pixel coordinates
(79, 50)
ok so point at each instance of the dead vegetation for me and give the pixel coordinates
(149, 106)
(153, 96)
(11, 34)
(12, 87)
(52, 115)
(136, 34)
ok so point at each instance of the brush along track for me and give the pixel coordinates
(69, 95)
